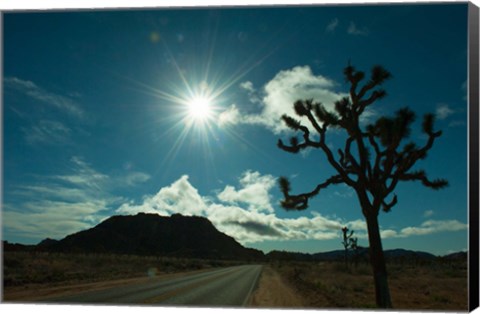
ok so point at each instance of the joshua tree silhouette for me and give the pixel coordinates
(373, 176)
(348, 243)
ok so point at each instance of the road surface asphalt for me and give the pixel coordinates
(225, 287)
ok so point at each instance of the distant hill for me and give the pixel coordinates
(456, 256)
(46, 243)
(336, 255)
(16, 247)
(402, 253)
(288, 256)
(152, 234)
(339, 254)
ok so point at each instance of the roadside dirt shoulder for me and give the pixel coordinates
(274, 292)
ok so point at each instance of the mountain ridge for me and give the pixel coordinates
(184, 236)
(152, 234)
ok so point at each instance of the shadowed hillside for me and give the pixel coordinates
(152, 234)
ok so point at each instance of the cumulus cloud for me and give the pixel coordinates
(248, 86)
(257, 228)
(229, 116)
(179, 197)
(254, 192)
(244, 213)
(252, 92)
(279, 95)
(250, 219)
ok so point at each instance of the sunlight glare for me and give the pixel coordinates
(200, 108)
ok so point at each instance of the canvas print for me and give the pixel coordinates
(306, 157)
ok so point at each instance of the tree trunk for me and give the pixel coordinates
(377, 260)
(346, 259)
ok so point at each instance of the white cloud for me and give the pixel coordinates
(357, 225)
(426, 228)
(443, 111)
(55, 216)
(135, 177)
(254, 223)
(68, 203)
(54, 219)
(49, 132)
(389, 233)
(229, 116)
(238, 215)
(280, 93)
(252, 92)
(84, 175)
(32, 90)
(179, 197)
(433, 226)
(332, 25)
(58, 205)
(254, 192)
(428, 213)
(248, 86)
(354, 30)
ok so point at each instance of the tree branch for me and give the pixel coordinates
(388, 206)
(420, 175)
(300, 201)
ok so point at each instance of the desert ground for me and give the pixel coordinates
(30, 276)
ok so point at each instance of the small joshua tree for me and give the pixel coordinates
(347, 243)
(372, 161)
(354, 247)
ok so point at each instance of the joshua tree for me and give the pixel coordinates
(354, 247)
(373, 160)
(347, 242)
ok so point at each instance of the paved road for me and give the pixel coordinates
(228, 287)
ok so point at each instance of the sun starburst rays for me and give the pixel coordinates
(188, 111)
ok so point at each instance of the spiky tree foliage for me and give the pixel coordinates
(373, 160)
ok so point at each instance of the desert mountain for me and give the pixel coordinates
(152, 234)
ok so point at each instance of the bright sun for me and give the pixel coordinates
(200, 108)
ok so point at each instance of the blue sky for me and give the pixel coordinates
(97, 119)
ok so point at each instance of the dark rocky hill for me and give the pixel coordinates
(152, 234)
(456, 256)
(16, 247)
